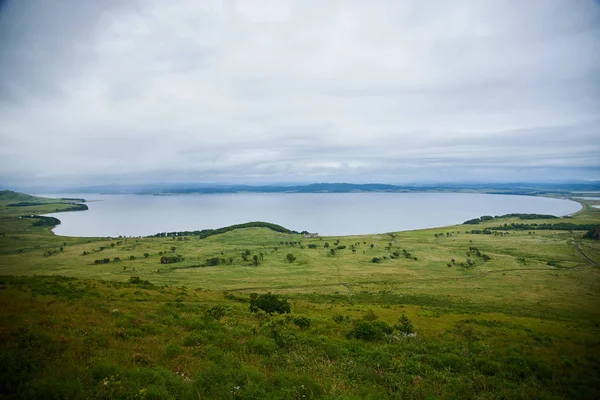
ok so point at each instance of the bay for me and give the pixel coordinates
(329, 214)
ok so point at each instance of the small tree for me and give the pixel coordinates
(406, 325)
(146, 255)
(255, 259)
(290, 257)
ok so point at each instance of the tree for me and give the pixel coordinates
(173, 248)
(290, 257)
(406, 325)
(372, 245)
(255, 259)
(269, 303)
(146, 255)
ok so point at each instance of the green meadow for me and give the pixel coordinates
(505, 308)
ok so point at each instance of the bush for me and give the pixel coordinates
(213, 261)
(302, 322)
(340, 319)
(216, 312)
(170, 260)
(370, 331)
(269, 303)
(290, 257)
(136, 280)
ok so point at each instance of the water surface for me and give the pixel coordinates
(325, 213)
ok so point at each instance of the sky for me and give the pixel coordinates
(278, 91)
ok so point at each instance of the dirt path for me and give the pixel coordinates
(580, 251)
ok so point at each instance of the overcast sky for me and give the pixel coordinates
(96, 92)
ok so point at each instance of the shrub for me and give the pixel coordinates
(216, 312)
(302, 322)
(213, 261)
(269, 303)
(170, 260)
(370, 331)
(340, 319)
(136, 280)
(290, 257)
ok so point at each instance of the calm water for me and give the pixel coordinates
(327, 214)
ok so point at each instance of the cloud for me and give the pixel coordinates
(148, 91)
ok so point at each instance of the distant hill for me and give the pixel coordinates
(515, 188)
(10, 196)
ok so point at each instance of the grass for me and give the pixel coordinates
(523, 324)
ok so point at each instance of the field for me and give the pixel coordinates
(473, 311)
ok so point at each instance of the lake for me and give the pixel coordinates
(329, 214)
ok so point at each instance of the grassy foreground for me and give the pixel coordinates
(510, 314)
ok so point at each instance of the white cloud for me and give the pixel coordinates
(341, 90)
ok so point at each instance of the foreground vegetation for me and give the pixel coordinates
(438, 313)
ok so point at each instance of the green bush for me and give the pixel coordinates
(216, 312)
(370, 331)
(269, 303)
(340, 319)
(302, 322)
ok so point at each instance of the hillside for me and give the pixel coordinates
(438, 313)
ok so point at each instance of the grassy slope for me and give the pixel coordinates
(536, 326)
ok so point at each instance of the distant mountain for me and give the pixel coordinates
(502, 188)
(520, 188)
